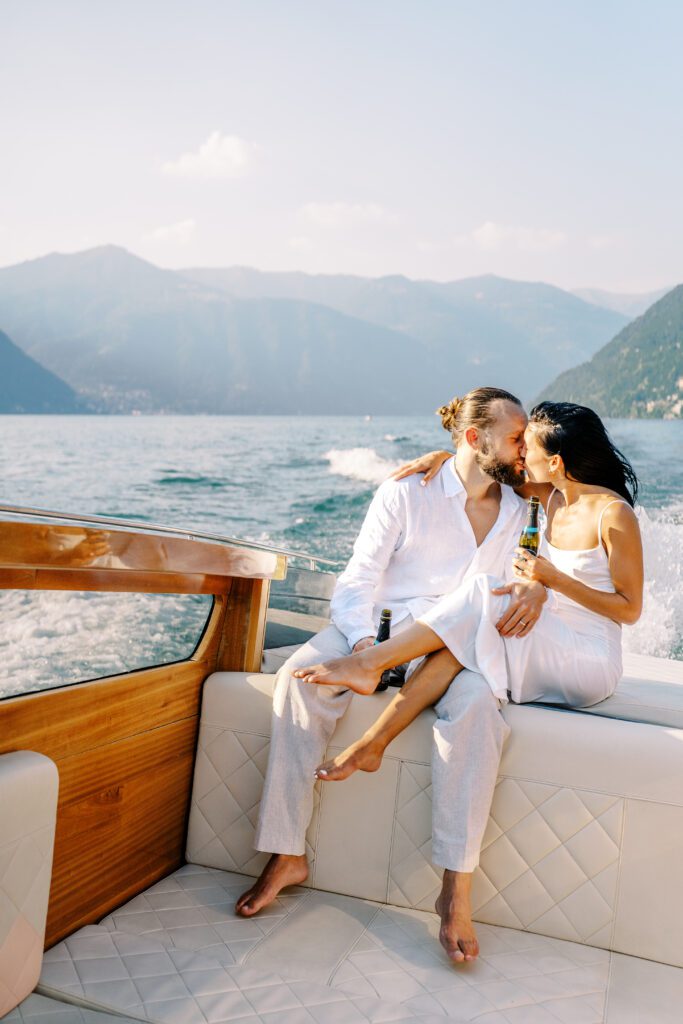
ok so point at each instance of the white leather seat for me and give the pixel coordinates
(177, 954)
(581, 845)
(580, 866)
(28, 809)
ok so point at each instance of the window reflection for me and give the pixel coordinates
(52, 638)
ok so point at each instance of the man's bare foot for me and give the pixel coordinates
(363, 756)
(457, 934)
(281, 870)
(351, 671)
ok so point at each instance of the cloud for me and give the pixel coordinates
(221, 156)
(339, 215)
(181, 232)
(300, 243)
(492, 237)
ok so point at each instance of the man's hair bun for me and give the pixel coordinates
(449, 413)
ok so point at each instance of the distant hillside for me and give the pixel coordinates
(630, 305)
(483, 328)
(131, 336)
(639, 373)
(27, 387)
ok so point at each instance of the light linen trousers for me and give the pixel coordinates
(468, 737)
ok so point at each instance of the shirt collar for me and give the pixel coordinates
(454, 488)
(452, 484)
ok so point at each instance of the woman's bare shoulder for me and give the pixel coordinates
(615, 509)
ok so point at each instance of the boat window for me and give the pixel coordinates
(54, 638)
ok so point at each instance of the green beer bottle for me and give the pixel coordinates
(530, 536)
(383, 633)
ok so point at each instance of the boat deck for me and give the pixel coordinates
(178, 953)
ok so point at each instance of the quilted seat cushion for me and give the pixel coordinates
(37, 1009)
(28, 810)
(177, 953)
(568, 850)
(650, 690)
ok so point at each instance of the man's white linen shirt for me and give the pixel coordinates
(417, 544)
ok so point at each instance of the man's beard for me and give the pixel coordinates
(501, 472)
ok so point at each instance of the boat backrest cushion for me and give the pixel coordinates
(28, 810)
(650, 690)
(584, 839)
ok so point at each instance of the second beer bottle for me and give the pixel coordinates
(383, 633)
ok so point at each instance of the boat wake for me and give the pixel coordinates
(360, 464)
(659, 631)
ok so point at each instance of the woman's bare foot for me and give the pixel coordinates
(351, 671)
(457, 934)
(363, 756)
(281, 870)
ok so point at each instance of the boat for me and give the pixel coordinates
(128, 805)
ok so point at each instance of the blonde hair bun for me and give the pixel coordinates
(449, 413)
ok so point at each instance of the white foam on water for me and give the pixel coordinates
(360, 464)
(48, 638)
(660, 627)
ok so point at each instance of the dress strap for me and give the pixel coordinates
(552, 495)
(615, 501)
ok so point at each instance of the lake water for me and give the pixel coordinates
(300, 482)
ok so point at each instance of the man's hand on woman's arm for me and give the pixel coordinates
(429, 464)
(524, 610)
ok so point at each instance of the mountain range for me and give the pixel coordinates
(25, 386)
(128, 335)
(639, 373)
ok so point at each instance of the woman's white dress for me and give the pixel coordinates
(572, 656)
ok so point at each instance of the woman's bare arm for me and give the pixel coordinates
(429, 464)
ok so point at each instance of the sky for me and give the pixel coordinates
(534, 139)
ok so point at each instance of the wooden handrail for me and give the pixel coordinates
(40, 556)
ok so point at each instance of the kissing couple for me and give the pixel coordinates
(479, 620)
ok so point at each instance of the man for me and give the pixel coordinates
(415, 545)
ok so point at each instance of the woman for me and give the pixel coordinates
(591, 562)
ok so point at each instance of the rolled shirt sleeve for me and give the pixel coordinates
(352, 603)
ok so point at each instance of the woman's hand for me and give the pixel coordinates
(534, 567)
(429, 464)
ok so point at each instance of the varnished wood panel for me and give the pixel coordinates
(113, 581)
(41, 546)
(241, 647)
(129, 801)
(69, 720)
(208, 646)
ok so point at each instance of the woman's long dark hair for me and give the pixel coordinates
(590, 456)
